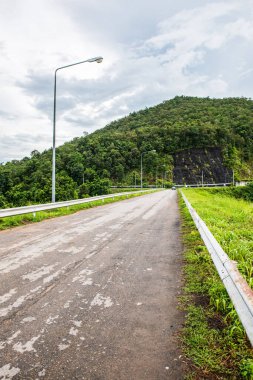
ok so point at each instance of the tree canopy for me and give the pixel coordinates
(89, 164)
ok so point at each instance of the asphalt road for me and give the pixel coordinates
(93, 295)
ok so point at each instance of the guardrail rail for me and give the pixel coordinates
(50, 206)
(238, 289)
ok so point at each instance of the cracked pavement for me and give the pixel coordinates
(93, 295)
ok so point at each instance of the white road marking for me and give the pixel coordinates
(38, 273)
(66, 305)
(42, 373)
(62, 346)
(7, 372)
(19, 301)
(73, 331)
(100, 300)
(8, 295)
(28, 319)
(72, 250)
(51, 319)
(14, 336)
(83, 278)
(28, 346)
(77, 323)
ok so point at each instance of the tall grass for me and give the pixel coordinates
(214, 338)
(231, 222)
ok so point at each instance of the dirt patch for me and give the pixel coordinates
(201, 300)
(216, 322)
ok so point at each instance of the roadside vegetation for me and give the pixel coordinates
(90, 164)
(214, 339)
(19, 220)
(240, 192)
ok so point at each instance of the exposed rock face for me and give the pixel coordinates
(189, 164)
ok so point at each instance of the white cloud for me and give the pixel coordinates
(152, 51)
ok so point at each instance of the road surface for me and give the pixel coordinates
(93, 295)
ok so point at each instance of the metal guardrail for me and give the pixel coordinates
(221, 184)
(50, 206)
(238, 290)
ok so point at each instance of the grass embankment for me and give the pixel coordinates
(239, 192)
(14, 221)
(214, 339)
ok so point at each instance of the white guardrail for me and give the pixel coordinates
(49, 206)
(238, 290)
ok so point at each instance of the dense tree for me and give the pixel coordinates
(85, 165)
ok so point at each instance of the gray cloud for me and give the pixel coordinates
(7, 115)
(146, 65)
(123, 21)
(152, 52)
(11, 146)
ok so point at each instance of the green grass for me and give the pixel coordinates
(18, 220)
(231, 222)
(213, 338)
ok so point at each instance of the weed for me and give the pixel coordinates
(213, 338)
(247, 369)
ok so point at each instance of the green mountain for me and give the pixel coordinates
(192, 137)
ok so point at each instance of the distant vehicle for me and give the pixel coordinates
(173, 188)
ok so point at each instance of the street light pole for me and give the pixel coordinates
(95, 59)
(53, 159)
(141, 168)
(141, 161)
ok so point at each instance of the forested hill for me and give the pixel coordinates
(85, 164)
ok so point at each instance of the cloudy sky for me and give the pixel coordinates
(153, 51)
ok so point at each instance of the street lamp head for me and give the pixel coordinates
(95, 59)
